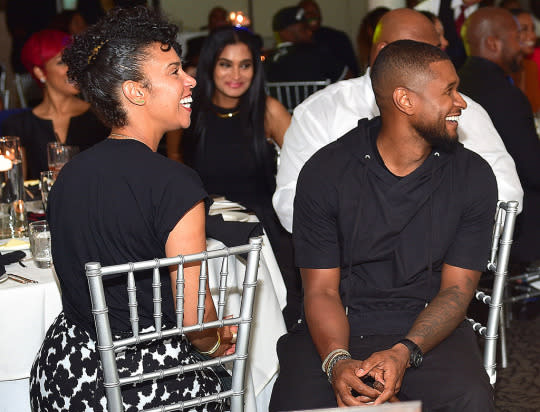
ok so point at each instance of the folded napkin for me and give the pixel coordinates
(9, 258)
(231, 233)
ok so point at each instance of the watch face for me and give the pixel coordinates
(416, 359)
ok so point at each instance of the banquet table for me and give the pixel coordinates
(27, 310)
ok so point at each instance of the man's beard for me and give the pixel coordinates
(515, 64)
(437, 136)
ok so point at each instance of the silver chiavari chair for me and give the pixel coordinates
(503, 231)
(108, 348)
(291, 94)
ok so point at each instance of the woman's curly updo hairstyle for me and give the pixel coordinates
(113, 51)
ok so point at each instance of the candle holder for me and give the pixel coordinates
(12, 210)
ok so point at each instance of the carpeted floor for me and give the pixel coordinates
(518, 386)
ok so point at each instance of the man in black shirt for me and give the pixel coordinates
(296, 57)
(392, 227)
(331, 41)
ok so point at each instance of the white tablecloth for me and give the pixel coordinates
(27, 310)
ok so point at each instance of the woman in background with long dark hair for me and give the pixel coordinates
(234, 128)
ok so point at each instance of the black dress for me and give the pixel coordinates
(226, 162)
(84, 131)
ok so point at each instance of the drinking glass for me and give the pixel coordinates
(59, 154)
(46, 180)
(12, 213)
(40, 243)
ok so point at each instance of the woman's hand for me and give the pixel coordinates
(228, 341)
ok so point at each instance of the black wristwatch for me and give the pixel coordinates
(416, 355)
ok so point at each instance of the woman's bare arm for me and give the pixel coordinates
(276, 120)
(188, 236)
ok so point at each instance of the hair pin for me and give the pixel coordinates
(95, 51)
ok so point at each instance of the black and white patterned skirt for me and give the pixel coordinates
(67, 374)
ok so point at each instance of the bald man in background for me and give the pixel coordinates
(491, 37)
(333, 111)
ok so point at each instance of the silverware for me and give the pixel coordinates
(16, 279)
(21, 279)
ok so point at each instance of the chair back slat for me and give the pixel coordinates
(223, 274)
(120, 344)
(180, 295)
(156, 289)
(108, 347)
(178, 370)
(291, 94)
(132, 299)
(203, 275)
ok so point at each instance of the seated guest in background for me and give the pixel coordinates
(364, 38)
(527, 78)
(121, 201)
(332, 41)
(69, 21)
(492, 40)
(438, 27)
(235, 126)
(296, 57)
(392, 228)
(335, 110)
(452, 14)
(217, 17)
(62, 116)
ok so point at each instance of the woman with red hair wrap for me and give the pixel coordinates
(61, 116)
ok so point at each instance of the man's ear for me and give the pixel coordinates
(404, 99)
(493, 45)
(134, 92)
(377, 47)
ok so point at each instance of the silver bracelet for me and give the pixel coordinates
(329, 357)
(333, 362)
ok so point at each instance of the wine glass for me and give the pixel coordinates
(46, 181)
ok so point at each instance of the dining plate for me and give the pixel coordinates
(9, 245)
(221, 204)
(233, 216)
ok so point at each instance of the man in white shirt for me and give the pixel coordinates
(333, 111)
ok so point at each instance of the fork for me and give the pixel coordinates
(21, 279)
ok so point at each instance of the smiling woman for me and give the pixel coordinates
(121, 201)
(527, 77)
(61, 116)
(231, 141)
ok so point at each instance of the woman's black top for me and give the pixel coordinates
(226, 161)
(117, 202)
(84, 131)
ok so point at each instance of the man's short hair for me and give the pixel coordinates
(403, 63)
(287, 17)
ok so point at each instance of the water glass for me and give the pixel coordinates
(12, 213)
(40, 243)
(59, 154)
(46, 180)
